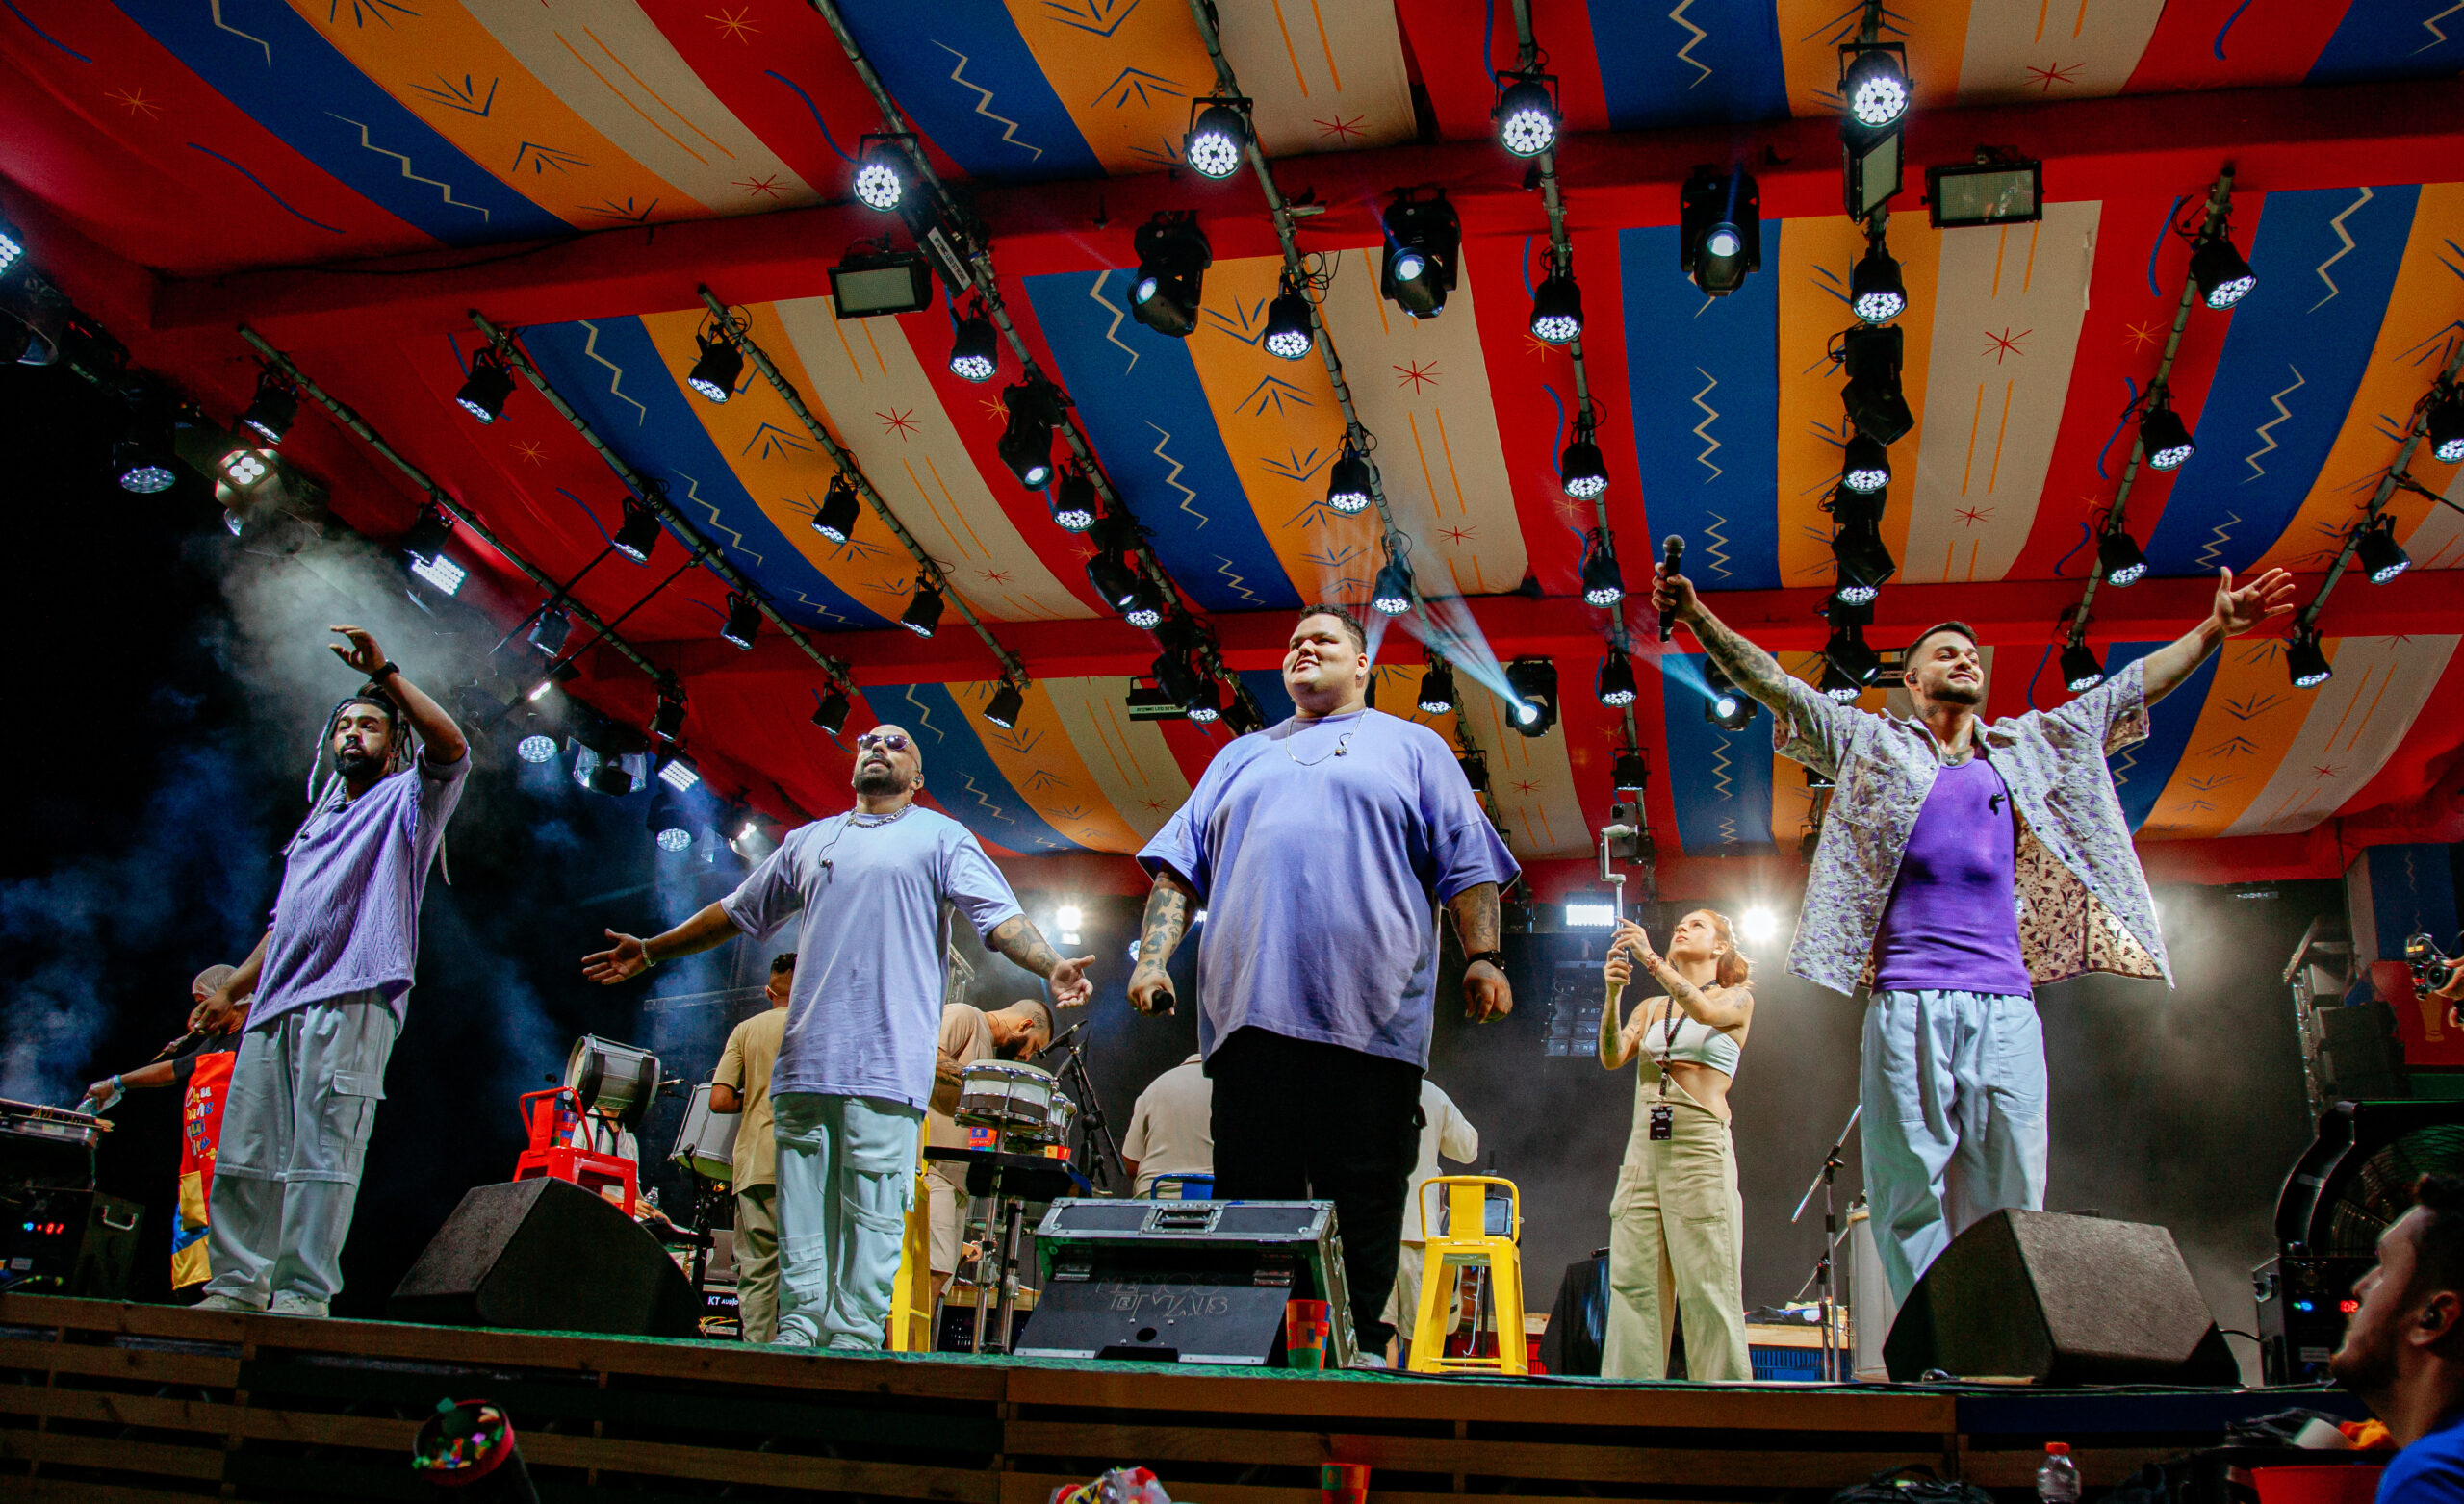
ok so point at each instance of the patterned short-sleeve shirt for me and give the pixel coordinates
(2084, 903)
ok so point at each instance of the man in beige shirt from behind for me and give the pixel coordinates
(1171, 1130)
(743, 1084)
(1019, 1032)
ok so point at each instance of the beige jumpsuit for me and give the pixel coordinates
(1676, 1233)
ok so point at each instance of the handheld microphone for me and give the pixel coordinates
(1671, 553)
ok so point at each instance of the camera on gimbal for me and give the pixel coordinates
(2431, 967)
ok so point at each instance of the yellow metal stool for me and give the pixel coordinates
(1465, 1242)
(910, 1303)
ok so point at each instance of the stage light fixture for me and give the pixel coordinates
(1393, 593)
(428, 533)
(667, 721)
(2382, 558)
(638, 535)
(1865, 464)
(1350, 482)
(487, 387)
(1525, 114)
(1722, 705)
(12, 247)
(1241, 715)
(1604, 584)
(2119, 555)
(1174, 675)
(1992, 190)
(1632, 773)
(877, 284)
(273, 409)
(1075, 503)
(440, 574)
(557, 674)
(1007, 704)
(1838, 685)
(1873, 86)
(744, 619)
(1026, 440)
(2081, 669)
(830, 715)
(1416, 269)
(678, 774)
(243, 465)
(144, 461)
(1145, 607)
(1290, 333)
(1719, 237)
(1217, 135)
(1876, 293)
(1849, 653)
(1172, 257)
(548, 631)
(1875, 404)
(1205, 703)
(2164, 435)
(1532, 687)
(1476, 771)
(1437, 687)
(535, 748)
(716, 368)
(2222, 276)
(882, 173)
(840, 506)
(923, 611)
(2446, 424)
(1556, 310)
(668, 829)
(1581, 474)
(1864, 561)
(2304, 660)
(1615, 682)
(975, 348)
(1114, 576)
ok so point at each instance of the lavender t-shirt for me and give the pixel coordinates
(347, 918)
(1954, 917)
(1320, 849)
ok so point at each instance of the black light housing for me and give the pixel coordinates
(1291, 334)
(1874, 401)
(1864, 561)
(716, 368)
(1993, 189)
(1719, 238)
(744, 619)
(638, 535)
(1437, 687)
(1007, 704)
(1865, 464)
(2304, 660)
(1581, 474)
(1205, 703)
(1632, 773)
(882, 173)
(1424, 239)
(1113, 577)
(1525, 114)
(1615, 681)
(2222, 276)
(1172, 257)
(1216, 138)
(1604, 584)
(1532, 685)
(840, 506)
(2119, 555)
(923, 611)
(1350, 482)
(877, 284)
(428, 534)
(831, 714)
(1722, 704)
(1848, 651)
(2381, 556)
(1242, 714)
(975, 348)
(2446, 424)
(1839, 684)
(2164, 435)
(1876, 292)
(487, 387)
(1476, 771)
(1075, 503)
(549, 632)
(667, 721)
(1393, 592)
(1875, 91)
(1026, 443)
(2081, 669)
(273, 409)
(1556, 310)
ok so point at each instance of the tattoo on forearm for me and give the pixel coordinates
(1023, 943)
(1748, 667)
(1168, 918)
(1476, 917)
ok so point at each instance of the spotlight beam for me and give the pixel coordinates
(437, 495)
(2219, 200)
(699, 548)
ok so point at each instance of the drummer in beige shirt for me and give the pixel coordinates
(968, 1035)
(743, 1084)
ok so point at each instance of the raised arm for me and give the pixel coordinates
(1168, 919)
(632, 955)
(442, 740)
(2236, 611)
(1486, 993)
(221, 1011)
(1618, 1039)
(1725, 1011)
(1753, 671)
(1017, 938)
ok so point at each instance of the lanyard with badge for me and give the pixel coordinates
(1664, 1116)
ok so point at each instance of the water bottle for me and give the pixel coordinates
(2058, 1480)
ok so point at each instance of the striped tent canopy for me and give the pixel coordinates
(351, 177)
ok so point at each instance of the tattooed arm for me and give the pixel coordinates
(1168, 919)
(1018, 939)
(1752, 670)
(1486, 993)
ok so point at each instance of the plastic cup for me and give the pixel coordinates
(1343, 1482)
(1305, 1330)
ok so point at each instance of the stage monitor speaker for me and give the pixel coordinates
(545, 1255)
(68, 1242)
(2060, 1300)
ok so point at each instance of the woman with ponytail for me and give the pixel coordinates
(1676, 1242)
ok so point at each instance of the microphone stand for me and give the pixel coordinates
(1831, 1162)
(1102, 1151)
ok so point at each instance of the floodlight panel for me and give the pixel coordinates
(1873, 176)
(2002, 193)
(864, 290)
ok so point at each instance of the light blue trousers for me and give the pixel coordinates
(302, 1099)
(846, 1182)
(1953, 1089)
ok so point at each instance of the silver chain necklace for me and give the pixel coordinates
(865, 822)
(1341, 745)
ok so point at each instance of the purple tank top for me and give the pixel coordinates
(1953, 920)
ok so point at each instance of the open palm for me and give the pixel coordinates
(2239, 610)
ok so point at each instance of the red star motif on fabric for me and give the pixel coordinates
(1972, 516)
(134, 101)
(993, 576)
(996, 412)
(733, 26)
(2317, 772)
(898, 421)
(1525, 787)
(2060, 74)
(1416, 374)
(2141, 336)
(1339, 128)
(2006, 343)
(761, 185)
(532, 451)
(1457, 537)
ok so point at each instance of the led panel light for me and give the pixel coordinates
(870, 287)
(441, 573)
(1968, 194)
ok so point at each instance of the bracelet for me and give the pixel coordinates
(380, 674)
(1495, 959)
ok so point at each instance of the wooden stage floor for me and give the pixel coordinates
(127, 1404)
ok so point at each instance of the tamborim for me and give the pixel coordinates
(706, 1144)
(1007, 1095)
(611, 1080)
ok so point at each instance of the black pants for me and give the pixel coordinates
(1296, 1120)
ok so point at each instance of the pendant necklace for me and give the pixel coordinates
(1342, 746)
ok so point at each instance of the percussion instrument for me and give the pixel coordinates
(1012, 1096)
(706, 1144)
(611, 1080)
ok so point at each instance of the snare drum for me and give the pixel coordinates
(706, 1144)
(1007, 1095)
(611, 1080)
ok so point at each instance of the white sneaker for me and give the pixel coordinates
(1369, 1360)
(298, 1306)
(792, 1336)
(225, 1303)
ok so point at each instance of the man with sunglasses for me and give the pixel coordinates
(869, 890)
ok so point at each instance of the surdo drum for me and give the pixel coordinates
(1024, 1102)
(706, 1144)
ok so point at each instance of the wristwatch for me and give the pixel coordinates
(378, 674)
(1496, 958)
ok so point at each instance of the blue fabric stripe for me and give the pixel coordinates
(1203, 528)
(960, 772)
(2142, 772)
(2296, 354)
(664, 439)
(1704, 383)
(960, 69)
(1721, 781)
(293, 83)
(2380, 39)
(1729, 71)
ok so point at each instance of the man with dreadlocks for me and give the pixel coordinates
(327, 986)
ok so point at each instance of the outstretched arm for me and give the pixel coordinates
(442, 740)
(1486, 993)
(1168, 919)
(2236, 612)
(1753, 671)
(1017, 938)
(632, 955)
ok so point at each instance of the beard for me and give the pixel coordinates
(877, 780)
(1953, 693)
(356, 763)
(2366, 1369)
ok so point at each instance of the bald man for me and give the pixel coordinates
(1020, 1031)
(868, 890)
